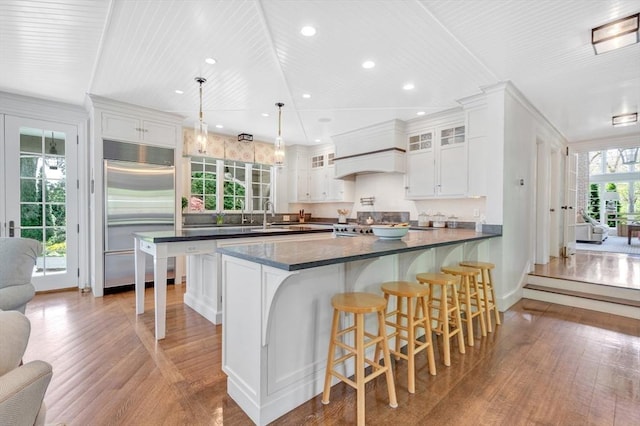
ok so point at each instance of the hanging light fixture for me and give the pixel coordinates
(200, 132)
(279, 153)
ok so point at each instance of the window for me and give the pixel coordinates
(218, 185)
(235, 185)
(204, 177)
(260, 185)
(614, 186)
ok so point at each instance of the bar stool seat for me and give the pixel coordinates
(485, 284)
(359, 304)
(406, 324)
(469, 295)
(447, 321)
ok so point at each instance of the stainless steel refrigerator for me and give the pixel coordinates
(139, 193)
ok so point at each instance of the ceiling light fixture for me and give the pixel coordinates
(368, 65)
(616, 34)
(264, 114)
(279, 154)
(308, 31)
(629, 155)
(179, 92)
(306, 95)
(219, 126)
(420, 113)
(624, 119)
(408, 86)
(210, 61)
(200, 129)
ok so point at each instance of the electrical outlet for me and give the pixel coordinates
(286, 218)
(476, 213)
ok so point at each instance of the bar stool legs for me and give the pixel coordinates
(359, 304)
(486, 286)
(406, 324)
(470, 295)
(448, 321)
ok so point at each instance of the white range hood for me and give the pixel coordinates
(375, 149)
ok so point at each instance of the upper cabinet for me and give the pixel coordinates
(138, 129)
(437, 162)
(312, 179)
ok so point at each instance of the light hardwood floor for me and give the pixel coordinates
(546, 365)
(612, 269)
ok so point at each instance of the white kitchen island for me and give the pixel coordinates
(277, 305)
(203, 272)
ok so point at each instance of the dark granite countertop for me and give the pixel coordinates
(226, 232)
(296, 255)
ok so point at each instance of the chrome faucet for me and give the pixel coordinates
(243, 219)
(265, 207)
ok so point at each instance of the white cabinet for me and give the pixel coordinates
(297, 159)
(323, 186)
(312, 176)
(437, 163)
(134, 129)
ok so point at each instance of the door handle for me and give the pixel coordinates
(12, 228)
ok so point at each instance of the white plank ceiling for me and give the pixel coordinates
(141, 51)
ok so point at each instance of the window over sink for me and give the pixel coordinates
(228, 185)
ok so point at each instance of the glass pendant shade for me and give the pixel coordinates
(200, 133)
(279, 152)
(200, 130)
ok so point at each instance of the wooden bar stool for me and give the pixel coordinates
(469, 294)
(448, 322)
(485, 284)
(359, 304)
(405, 325)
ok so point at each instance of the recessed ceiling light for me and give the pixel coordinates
(368, 64)
(306, 95)
(324, 120)
(210, 61)
(408, 86)
(219, 126)
(264, 114)
(317, 140)
(178, 91)
(308, 31)
(420, 113)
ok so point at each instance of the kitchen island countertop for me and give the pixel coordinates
(297, 255)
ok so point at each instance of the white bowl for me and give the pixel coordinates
(390, 232)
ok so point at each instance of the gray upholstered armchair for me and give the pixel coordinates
(17, 259)
(22, 387)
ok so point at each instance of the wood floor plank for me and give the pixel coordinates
(547, 364)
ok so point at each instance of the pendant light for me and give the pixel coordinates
(279, 154)
(200, 129)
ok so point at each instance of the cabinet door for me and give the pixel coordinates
(317, 184)
(158, 133)
(302, 182)
(121, 127)
(453, 171)
(420, 174)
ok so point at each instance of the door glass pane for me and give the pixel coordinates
(43, 195)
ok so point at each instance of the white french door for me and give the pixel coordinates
(39, 195)
(570, 201)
